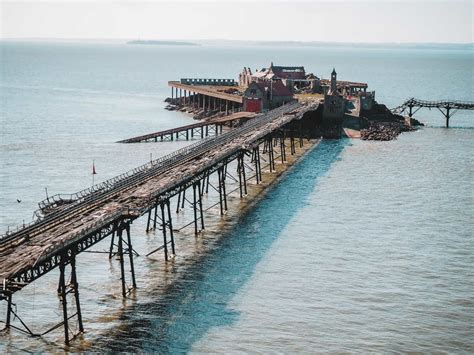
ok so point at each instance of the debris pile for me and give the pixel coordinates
(384, 131)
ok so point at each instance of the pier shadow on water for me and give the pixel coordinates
(198, 299)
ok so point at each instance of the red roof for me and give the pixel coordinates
(277, 87)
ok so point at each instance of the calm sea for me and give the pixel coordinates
(362, 246)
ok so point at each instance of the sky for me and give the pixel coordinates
(402, 21)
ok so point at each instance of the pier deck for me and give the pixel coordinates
(73, 223)
(200, 129)
(213, 91)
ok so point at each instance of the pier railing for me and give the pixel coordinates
(447, 107)
(89, 195)
(85, 218)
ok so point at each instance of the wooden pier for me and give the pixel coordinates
(196, 130)
(207, 97)
(70, 224)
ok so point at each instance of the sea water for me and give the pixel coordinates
(362, 246)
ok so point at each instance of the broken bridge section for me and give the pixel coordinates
(446, 107)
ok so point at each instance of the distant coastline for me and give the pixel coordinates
(162, 43)
(279, 44)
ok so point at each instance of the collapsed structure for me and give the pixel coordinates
(267, 85)
(269, 88)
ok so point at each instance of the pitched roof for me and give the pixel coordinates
(288, 72)
(277, 87)
(281, 72)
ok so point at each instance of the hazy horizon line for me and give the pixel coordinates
(226, 40)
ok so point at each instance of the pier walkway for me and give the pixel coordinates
(70, 224)
(207, 95)
(446, 107)
(200, 129)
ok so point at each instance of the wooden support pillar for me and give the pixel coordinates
(221, 205)
(282, 149)
(122, 266)
(203, 190)
(170, 226)
(184, 197)
(111, 249)
(226, 107)
(147, 222)
(447, 116)
(179, 200)
(195, 210)
(243, 172)
(130, 255)
(155, 217)
(239, 171)
(62, 293)
(271, 157)
(75, 287)
(163, 226)
(201, 213)
(9, 311)
(257, 177)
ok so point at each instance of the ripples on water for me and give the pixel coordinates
(363, 246)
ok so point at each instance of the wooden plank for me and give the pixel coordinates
(208, 91)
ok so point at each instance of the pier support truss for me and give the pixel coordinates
(447, 108)
(67, 288)
(249, 161)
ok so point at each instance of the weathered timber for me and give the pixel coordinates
(211, 126)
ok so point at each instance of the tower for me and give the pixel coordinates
(333, 81)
